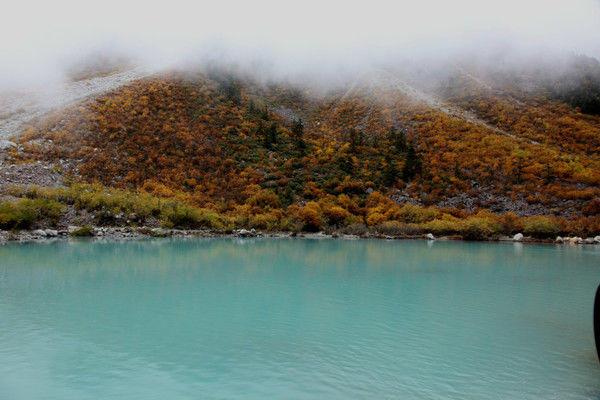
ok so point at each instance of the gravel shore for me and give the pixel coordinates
(132, 233)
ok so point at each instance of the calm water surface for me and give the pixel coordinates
(297, 319)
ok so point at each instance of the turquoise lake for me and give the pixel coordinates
(297, 319)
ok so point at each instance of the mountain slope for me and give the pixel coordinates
(232, 145)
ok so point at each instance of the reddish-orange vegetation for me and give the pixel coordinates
(358, 157)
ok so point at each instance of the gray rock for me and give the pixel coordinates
(39, 232)
(518, 237)
(559, 239)
(51, 233)
(245, 233)
(597, 239)
(430, 236)
(72, 228)
(575, 240)
(5, 144)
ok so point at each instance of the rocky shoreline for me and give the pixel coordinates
(124, 233)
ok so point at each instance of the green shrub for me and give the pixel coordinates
(210, 219)
(541, 227)
(478, 228)
(14, 216)
(181, 216)
(113, 201)
(23, 213)
(288, 224)
(442, 226)
(47, 209)
(15, 191)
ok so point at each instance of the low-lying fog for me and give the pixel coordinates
(320, 40)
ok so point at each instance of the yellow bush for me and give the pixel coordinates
(157, 189)
(375, 218)
(334, 214)
(377, 199)
(310, 216)
(346, 202)
(263, 221)
(411, 213)
(442, 226)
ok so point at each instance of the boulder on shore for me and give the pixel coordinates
(518, 237)
(39, 232)
(246, 233)
(430, 236)
(575, 240)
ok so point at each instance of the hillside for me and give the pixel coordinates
(388, 152)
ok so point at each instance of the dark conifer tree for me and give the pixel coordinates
(353, 141)
(413, 164)
(298, 136)
(518, 171)
(549, 174)
(264, 115)
(390, 172)
(398, 140)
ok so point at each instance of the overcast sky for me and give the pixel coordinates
(40, 37)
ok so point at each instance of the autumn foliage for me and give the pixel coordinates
(279, 158)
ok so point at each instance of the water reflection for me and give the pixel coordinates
(292, 318)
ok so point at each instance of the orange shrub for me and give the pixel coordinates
(375, 218)
(310, 216)
(349, 204)
(312, 191)
(264, 198)
(333, 213)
